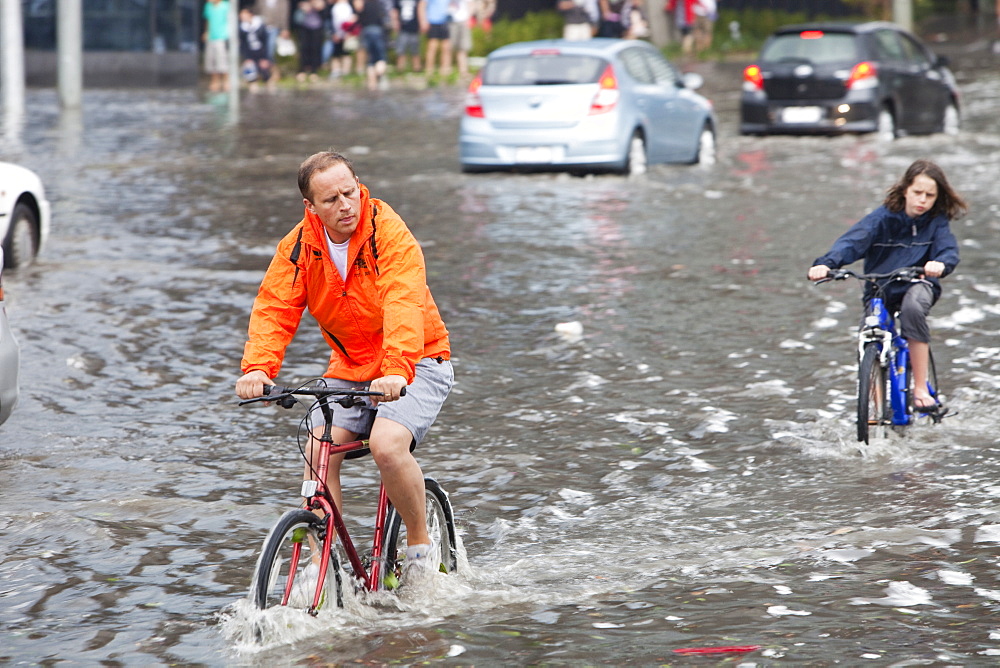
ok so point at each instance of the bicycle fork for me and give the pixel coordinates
(873, 334)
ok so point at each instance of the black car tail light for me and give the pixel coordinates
(863, 75)
(753, 78)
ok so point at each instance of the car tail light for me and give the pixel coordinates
(753, 78)
(811, 34)
(474, 105)
(607, 93)
(863, 75)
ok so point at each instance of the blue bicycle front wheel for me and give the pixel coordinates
(873, 392)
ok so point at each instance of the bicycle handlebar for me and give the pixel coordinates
(901, 274)
(285, 396)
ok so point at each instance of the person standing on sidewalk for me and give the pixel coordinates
(216, 38)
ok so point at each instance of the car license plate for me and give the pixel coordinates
(801, 114)
(534, 154)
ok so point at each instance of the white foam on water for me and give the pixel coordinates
(898, 594)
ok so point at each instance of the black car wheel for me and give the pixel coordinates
(636, 161)
(21, 243)
(886, 128)
(951, 122)
(706, 146)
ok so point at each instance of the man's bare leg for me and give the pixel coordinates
(401, 474)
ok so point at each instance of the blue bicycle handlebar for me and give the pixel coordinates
(901, 274)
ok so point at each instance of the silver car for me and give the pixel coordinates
(10, 358)
(596, 105)
(24, 214)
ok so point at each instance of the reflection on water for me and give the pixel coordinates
(682, 472)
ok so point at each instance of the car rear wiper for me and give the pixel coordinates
(794, 59)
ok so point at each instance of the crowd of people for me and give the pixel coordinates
(335, 38)
(583, 19)
(693, 21)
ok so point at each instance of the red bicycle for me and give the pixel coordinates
(298, 555)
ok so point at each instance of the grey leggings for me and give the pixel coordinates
(913, 312)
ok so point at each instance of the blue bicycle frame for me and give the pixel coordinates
(894, 355)
(881, 346)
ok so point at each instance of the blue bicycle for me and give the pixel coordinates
(885, 378)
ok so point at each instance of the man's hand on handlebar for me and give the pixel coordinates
(392, 388)
(251, 385)
(818, 272)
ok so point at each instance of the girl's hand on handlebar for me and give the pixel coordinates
(818, 272)
(251, 385)
(934, 269)
(392, 388)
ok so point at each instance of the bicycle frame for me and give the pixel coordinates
(894, 356)
(306, 536)
(879, 330)
(318, 497)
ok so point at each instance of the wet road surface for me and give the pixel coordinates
(682, 474)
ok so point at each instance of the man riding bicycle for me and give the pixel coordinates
(354, 264)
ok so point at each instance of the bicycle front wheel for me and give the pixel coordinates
(287, 571)
(440, 527)
(872, 395)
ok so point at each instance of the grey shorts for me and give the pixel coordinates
(408, 43)
(416, 411)
(913, 313)
(460, 34)
(216, 56)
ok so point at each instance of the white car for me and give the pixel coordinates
(24, 215)
(10, 358)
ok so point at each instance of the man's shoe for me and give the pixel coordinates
(419, 565)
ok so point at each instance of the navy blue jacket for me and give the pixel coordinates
(888, 241)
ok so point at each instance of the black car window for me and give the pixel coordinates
(915, 53)
(663, 72)
(889, 47)
(542, 69)
(635, 65)
(811, 46)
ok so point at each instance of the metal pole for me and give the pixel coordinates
(69, 44)
(12, 57)
(234, 61)
(902, 13)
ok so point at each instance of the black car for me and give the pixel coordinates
(838, 77)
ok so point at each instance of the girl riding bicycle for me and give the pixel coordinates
(910, 228)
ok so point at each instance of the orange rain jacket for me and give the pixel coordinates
(382, 320)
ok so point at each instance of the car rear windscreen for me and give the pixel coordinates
(542, 69)
(811, 46)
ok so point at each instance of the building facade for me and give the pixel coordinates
(125, 42)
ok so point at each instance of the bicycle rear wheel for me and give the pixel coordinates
(872, 392)
(440, 527)
(292, 552)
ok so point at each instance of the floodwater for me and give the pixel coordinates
(682, 474)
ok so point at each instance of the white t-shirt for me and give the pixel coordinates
(338, 253)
